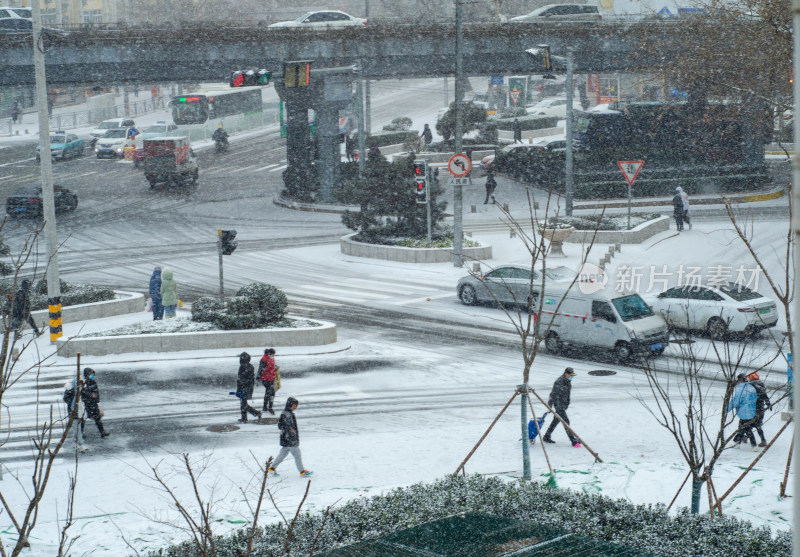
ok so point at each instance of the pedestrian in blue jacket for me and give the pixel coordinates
(743, 402)
(155, 294)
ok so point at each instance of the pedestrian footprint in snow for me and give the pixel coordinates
(290, 439)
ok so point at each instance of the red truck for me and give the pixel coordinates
(169, 160)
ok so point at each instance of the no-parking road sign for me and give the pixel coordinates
(459, 165)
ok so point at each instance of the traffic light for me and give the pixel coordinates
(250, 78)
(420, 168)
(421, 190)
(297, 74)
(227, 243)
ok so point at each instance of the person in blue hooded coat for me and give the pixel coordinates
(155, 294)
(743, 402)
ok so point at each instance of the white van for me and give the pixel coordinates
(601, 317)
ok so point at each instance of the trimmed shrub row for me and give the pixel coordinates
(644, 527)
(72, 294)
(255, 306)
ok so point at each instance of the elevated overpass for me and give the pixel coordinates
(210, 53)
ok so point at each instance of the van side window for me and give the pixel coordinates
(602, 310)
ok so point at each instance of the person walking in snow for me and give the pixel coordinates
(559, 402)
(743, 402)
(677, 208)
(21, 309)
(349, 148)
(169, 293)
(244, 386)
(517, 131)
(290, 439)
(15, 112)
(90, 396)
(491, 185)
(155, 294)
(427, 135)
(267, 372)
(685, 198)
(762, 405)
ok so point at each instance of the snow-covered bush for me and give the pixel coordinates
(644, 527)
(72, 294)
(255, 305)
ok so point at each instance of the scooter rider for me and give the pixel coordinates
(220, 136)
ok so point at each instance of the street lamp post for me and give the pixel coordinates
(458, 232)
(48, 201)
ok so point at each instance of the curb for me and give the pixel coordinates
(180, 342)
(280, 201)
(720, 200)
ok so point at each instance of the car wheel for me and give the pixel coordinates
(467, 295)
(553, 343)
(623, 351)
(717, 329)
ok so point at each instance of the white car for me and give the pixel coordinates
(546, 143)
(565, 12)
(326, 18)
(114, 141)
(110, 124)
(552, 106)
(10, 12)
(716, 311)
(159, 129)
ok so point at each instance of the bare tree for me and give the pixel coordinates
(50, 433)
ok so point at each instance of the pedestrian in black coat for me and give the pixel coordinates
(21, 309)
(491, 185)
(677, 209)
(90, 395)
(559, 402)
(762, 405)
(289, 439)
(427, 135)
(517, 131)
(244, 386)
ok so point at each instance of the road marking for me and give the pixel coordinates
(266, 167)
(425, 299)
(279, 168)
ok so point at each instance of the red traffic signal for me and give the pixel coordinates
(420, 168)
(421, 190)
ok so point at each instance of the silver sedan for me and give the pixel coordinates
(508, 284)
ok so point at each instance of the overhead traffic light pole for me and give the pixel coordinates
(225, 246)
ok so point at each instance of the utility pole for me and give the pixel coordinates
(362, 140)
(458, 232)
(48, 201)
(570, 176)
(795, 224)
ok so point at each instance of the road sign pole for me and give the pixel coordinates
(630, 202)
(219, 251)
(430, 201)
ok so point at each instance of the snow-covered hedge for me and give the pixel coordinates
(645, 527)
(255, 306)
(72, 294)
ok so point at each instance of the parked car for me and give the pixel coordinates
(10, 12)
(27, 201)
(62, 146)
(552, 106)
(114, 141)
(716, 311)
(546, 143)
(326, 18)
(400, 124)
(110, 124)
(566, 12)
(507, 284)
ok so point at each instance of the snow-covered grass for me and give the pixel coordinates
(185, 325)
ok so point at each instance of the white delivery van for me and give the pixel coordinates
(603, 318)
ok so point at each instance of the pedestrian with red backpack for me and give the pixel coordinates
(267, 372)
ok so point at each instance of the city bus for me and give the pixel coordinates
(199, 113)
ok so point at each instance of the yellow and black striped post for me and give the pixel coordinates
(54, 305)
